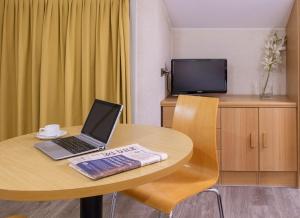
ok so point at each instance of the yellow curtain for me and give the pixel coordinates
(57, 56)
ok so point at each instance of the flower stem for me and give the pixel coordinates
(265, 86)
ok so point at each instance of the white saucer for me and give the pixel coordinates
(44, 137)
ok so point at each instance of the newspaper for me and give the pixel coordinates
(110, 162)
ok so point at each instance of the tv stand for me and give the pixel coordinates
(256, 138)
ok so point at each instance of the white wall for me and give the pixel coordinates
(151, 48)
(229, 13)
(155, 42)
(242, 47)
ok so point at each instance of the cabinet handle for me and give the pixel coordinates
(251, 141)
(264, 138)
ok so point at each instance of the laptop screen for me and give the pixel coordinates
(101, 120)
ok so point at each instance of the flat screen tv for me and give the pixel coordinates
(195, 76)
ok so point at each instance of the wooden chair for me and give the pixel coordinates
(196, 117)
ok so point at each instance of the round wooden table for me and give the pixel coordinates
(26, 174)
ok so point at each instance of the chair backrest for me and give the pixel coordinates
(196, 117)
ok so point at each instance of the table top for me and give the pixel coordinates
(26, 174)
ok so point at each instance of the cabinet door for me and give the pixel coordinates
(278, 140)
(239, 139)
(167, 116)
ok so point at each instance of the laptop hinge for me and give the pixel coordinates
(91, 141)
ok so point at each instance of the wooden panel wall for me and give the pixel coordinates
(292, 61)
(292, 55)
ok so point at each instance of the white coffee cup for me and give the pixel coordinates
(50, 130)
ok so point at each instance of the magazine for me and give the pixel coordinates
(113, 161)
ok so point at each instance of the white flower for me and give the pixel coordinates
(272, 55)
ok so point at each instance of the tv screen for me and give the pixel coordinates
(192, 76)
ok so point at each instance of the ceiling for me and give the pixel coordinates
(229, 13)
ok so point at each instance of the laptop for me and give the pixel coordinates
(95, 134)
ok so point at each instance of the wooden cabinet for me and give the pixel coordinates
(278, 140)
(239, 139)
(256, 139)
(264, 137)
(167, 116)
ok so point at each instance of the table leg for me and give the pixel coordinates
(91, 207)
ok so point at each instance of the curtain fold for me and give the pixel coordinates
(57, 56)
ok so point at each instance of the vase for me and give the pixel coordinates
(266, 87)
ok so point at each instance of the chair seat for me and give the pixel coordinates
(164, 194)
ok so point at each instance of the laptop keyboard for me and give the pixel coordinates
(73, 144)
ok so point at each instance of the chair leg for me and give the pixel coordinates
(220, 206)
(113, 205)
(162, 215)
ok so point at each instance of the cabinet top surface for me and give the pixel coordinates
(241, 101)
